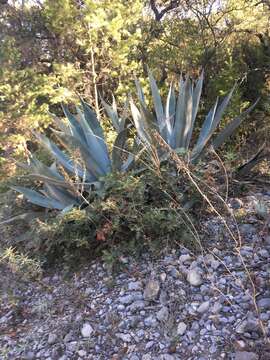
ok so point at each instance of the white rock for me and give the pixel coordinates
(151, 290)
(163, 276)
(127, 299)
(181, 328)
(184, 258)
(134, 285)
(203, 307)
(82, 353)
(146, 357)
(163, 314)
(124, 337)
(194, 277)
(87, 330)
(52, 338)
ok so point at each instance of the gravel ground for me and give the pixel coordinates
(181, 306)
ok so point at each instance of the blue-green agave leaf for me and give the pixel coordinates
(60, 156)
(157, 103)
(75, 127)
(61, 125)
(94, 169)
(97, 147)
(205, 133)
(38, 199)
(188, 114)
(112, 114)
(170, 114)
(140, 92)
(183, 113)
(139, 123)
(119, 149)
(62, 195)
(93, 122)
(231, 127)
(196, 96)
(222, 106)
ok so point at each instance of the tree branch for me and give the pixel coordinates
(159, 14)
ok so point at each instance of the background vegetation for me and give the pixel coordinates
(51, 50)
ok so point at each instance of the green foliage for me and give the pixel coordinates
(58, 48)
(135, 212)
(20, 264)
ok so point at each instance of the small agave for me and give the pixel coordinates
(79, 133)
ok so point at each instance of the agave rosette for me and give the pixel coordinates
(175, 120)
(82, 133)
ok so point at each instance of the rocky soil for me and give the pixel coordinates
(212, 305)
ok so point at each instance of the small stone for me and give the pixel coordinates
(150, 321)
(134, 357)
(68, 337)
(163, 297)
(203, 307)
(30, 355)
(151, 290)
(72, 346)
(163, 314)
(82, 353)
(134, 286)
(263, 253)
(140, 333)
(88, 291)
(87, 330)
(194, 277)
(264, 303)
(126, 300)
(163, 276)
(146, 357)
(247, 229)
(246, 355)
(236, 203)
(174, 272)
(212, 349)
(181, 328)
(137, 305)
(215, 264)
(184, 258)
(124, 337)
(216, 308)
(52, 338)
(240, 345)
(149, 345)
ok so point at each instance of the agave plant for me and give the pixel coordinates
(86, 160)
(175, 120)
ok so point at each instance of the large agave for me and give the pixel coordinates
(175, 120)
(84, 134)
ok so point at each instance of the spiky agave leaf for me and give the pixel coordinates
(232, 126)
(38, 199)
(170, 114)
(119, 123)
(183, 116)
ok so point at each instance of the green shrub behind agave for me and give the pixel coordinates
(83, 137)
